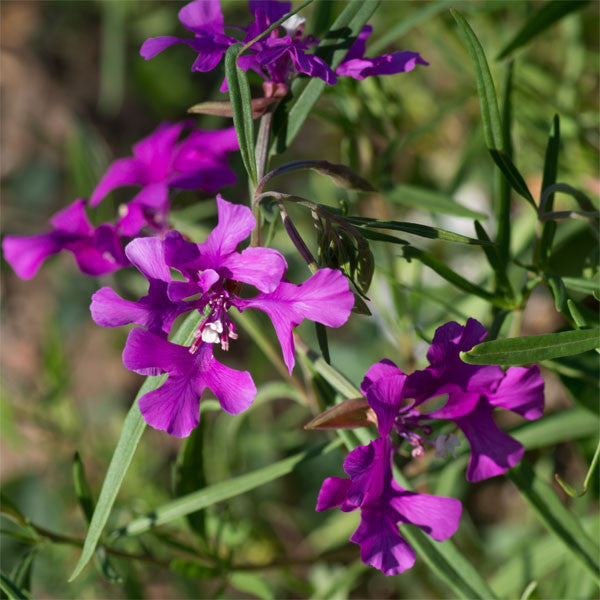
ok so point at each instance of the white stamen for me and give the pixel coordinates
(211, 334)
(123, 210)
(290, 25)
(445, 445)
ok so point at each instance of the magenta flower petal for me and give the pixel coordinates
(273, 9)
(437, 516)
(324, 298)
(522, 391)
(72, 220)
(384, 368)
(333, 493)
(124, 171)
(25, 254)
(174, 407)
(381, 546)
(236, 222)
(147, 255)
(153, 46)
(386, 397)
(493, 452)
(261, 267)
(202, 16)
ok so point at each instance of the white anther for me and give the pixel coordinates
(290, 25)
(211, 334)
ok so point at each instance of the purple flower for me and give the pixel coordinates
(175, 406)
(473, 394)
(159, 163)
(205, 20)
(357, 66)
(155, 311)
(276, 58)
(97, 250)
(383, 505)
(213, 273)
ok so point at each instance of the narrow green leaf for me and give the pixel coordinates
(133, 427)
(217, 493)
(546, 16)
(514, 178)
(322, 339)
(82, 490)
(451, 276)
(492, 127)
(377, 236)
(21, 573)
(556, 516)
(494, 259)
(579, 319)
(241, 108)
(549, 178)
(293, 110)
(525, 350)
(193, 569)
(557, 428)
(557, 287)
(503, 191)
(434, 233)
(12, 591)
(586, 286)
(430, 200)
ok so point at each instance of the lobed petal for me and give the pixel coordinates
(261, 267)
(124, 171)
(522, 391)
(334, 492)
(25, 254)
(385, 397)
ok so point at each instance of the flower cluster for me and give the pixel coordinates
(213, 274)
(280, 54)
(160, 162)
(398, 403)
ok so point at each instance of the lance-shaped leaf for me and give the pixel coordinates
(349, 414)
(133, 427)
(241, 107)
(525, 350)
(490, 114)
(231, 488)
(546, 16)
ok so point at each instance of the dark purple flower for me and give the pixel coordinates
(277, 58)
(473, 393)
(160, 162)
(97, 250)
(205, 20)
(175, 406)
(357, 66)
(383, 505)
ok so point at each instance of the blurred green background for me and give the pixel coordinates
(76, 95)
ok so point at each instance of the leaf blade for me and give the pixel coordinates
(525, 350)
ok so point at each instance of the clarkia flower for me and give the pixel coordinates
(159, 163)
(204, 19)
(473, 394)
(357, 66)
(214, 272)
(384, 504)
(97, 250)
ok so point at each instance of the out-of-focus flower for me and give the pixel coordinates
(159, 163)
(97, 250)
(357, 66)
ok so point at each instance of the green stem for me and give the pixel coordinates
(262, 159)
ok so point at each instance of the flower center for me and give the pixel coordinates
(216, 327)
